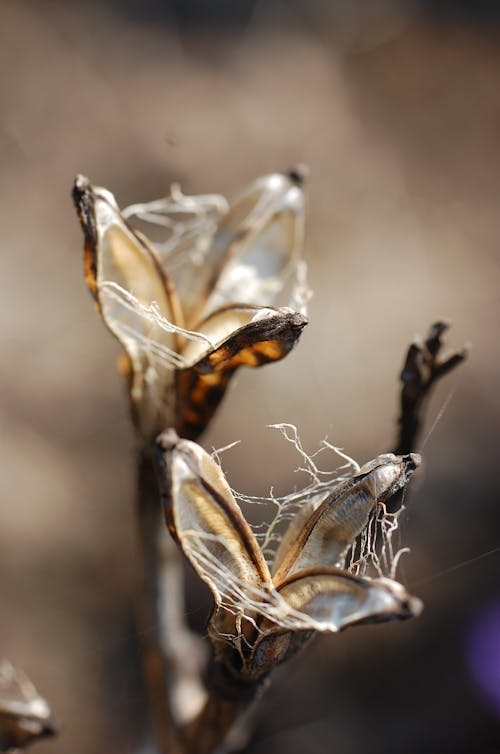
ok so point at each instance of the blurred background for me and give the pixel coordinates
(395, 106)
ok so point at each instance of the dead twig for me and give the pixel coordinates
(221, 724)
(422, 369)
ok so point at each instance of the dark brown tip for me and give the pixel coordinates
(50, 728)
(299, 174)
(441, 326)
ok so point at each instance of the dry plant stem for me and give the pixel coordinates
(421, 371)
(157, 669)
(220, 726)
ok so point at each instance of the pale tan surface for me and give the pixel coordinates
(399, 120)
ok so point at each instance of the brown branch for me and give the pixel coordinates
(221, 724)
(421, 371)
(156, 666)
(172, 654)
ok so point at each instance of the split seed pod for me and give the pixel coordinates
(24, 715)
(262, 615)
(193, 307)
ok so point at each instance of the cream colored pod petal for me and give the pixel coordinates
(291, 533)
(204, 517)
(335, 600)
(258, 243)
(331, 529)
(326, 600)
(124, 262)
(24, 714)
(135, 302)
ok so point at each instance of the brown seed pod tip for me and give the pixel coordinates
(299, 174)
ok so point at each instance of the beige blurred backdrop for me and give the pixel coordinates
(396, 109)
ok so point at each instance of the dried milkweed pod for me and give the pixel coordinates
(24, 715)
(193, 306)
(265, 612)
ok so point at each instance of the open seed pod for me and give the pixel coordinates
(194, 306)
(260, 620)
(24, 715)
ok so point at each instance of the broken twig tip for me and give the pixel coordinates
(422, 368)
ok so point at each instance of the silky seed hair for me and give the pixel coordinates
(321, 482)
(188, 222)
(158, 353)
(373, 553)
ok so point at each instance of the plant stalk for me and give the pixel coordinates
(157, 669)
(221, 725)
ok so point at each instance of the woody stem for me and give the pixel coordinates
(221, 725)
(158, 669)
(423, 368)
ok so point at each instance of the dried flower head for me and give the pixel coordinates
(199, 302)
(24, 715)
(265, 611)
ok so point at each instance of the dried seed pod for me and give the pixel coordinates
(188, 320)
(205, 519)
(259, 621)
(337, 600)
(24, 715)
(259, 242)
(329, 531)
